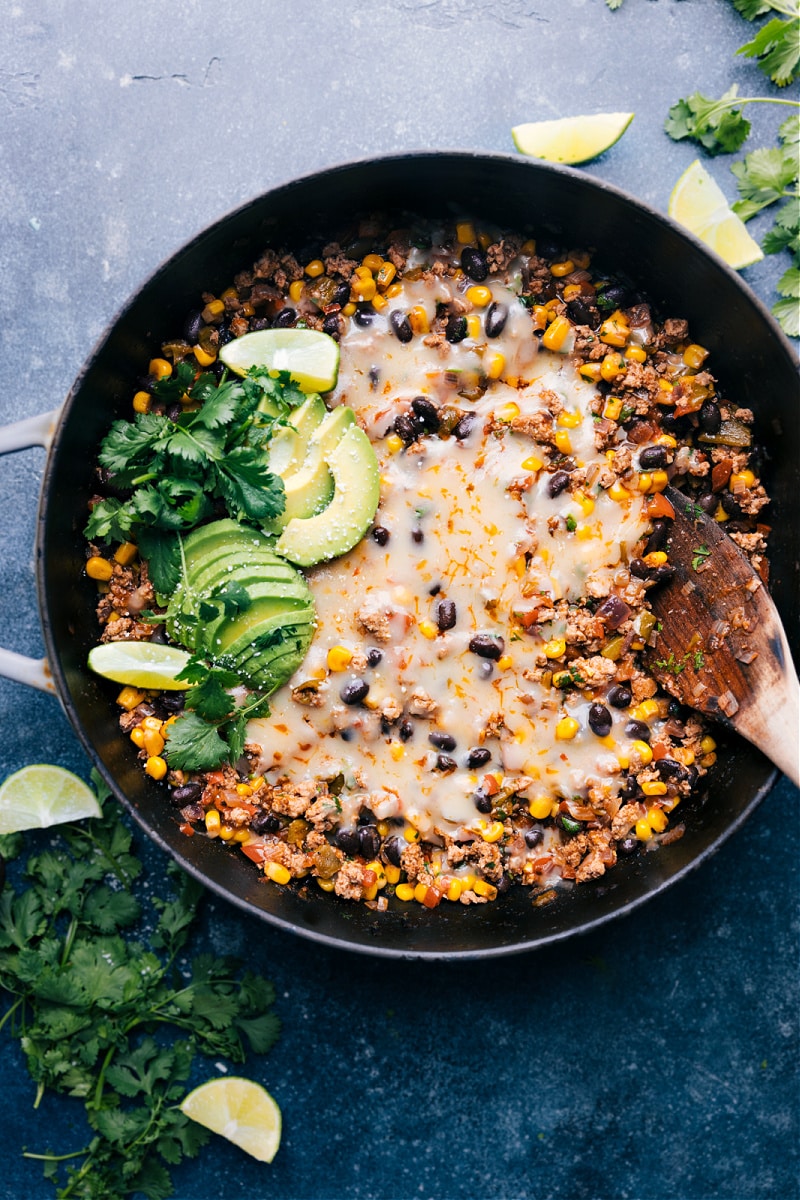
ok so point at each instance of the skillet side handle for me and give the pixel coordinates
(33, 431)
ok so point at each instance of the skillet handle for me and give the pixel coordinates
(33, 431)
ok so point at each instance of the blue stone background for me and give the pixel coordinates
(655, 1059)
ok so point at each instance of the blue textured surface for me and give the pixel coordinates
(656, 1059)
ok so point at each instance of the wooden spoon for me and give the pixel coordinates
(720, 647)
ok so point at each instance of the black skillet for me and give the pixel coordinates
(750, 356)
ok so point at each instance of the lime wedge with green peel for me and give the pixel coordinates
(571, 139)
(41, 795)
(310, 357)
(239, 1110)
(699, 204)
(140, 664)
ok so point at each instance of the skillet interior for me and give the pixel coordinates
(752, 360)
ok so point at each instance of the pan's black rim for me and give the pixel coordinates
(374, 949)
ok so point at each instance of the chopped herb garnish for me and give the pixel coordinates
(571, 523)
(700, 554)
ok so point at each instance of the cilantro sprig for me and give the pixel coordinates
(104, 1013)
(213, 731)
(176, 470)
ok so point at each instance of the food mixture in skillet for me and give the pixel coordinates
(458, 701)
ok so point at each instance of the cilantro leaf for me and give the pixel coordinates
(194, 745)
(717, 125)
(764, 176)
(162, 552)
(249, 487)
(209, 699)
(777, 47)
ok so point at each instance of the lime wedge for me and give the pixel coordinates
(239, 1110)
(699, 204)
(140, 664)
(41, 795)
(310, 357)
(571, 139)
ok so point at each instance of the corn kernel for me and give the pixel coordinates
(541, 316)
(126, 553)
(213, 310)
(418, 319)
(397, 751)
(479, 295)
(612, 366)
(507, 412)
(612, 408)
(708, 760)
(614, 332)
(570, 420)
(540, 807)
(666, 439)
(327, 885)
(740, 480)
(494, 832)
(226, 833)
(720, 515)
(152, 723)
(153, 742)
(495, 366)
(554, 648)
(654, 787)
(339, 658)
(571, 291)
(137, 737)
(590, 371)
(242, 835)
(411, 834)
(362, 272)
(644, 482)
(348, 309)
(656, 558)
(454, 889)
(392, 873)
(159, 368)
(377, 869)
(213, 822)
(566, 729)
(394, 443)
(707, 744)
(404, 891)
(379, 303)
(636, 354)
(142, 402)
(586, 503)
(99, 568)
(129, 697)
(244, 790)
(646, 710)
(364, 289)
(618, 493)
(563, 441)
(473, 327)
(420, 892)
(373, 262)
(429, 629)
(659, 480)
(504, 662)
(532, 463)
(484, 888)
(155, 767)
(529, 247)
(203, 358)
(643, 829)
(642, 752)
(384, 275)
(560, 269)
(465, 232)
(694, 356)
(315, 268)
(394, 289)
(275, 871)
(657, 819)
(556, 334)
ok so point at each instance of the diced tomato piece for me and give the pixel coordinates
(659, 506)
(254, 851)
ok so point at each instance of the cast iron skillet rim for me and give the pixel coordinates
(372, 949)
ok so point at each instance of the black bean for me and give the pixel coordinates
(406, 730)
(462, 428)
(639, 568)
(401, 326)
(434, 591)
(557, 482)
(486, 669)
(479, 756)
(348, 842)
(533, 837)
(628, 845)
(380, 535)
(670, 768)
(708, 502)
(260, 323)
(224, 335)
(630, 790)
(173, 702)
(474, 263)
(676, 709)
(503, 884)
(285, 318)
(455, 329)
(496, 317)
(174, 411)
(441, 740)
(407, 428)
(582, 312)
(354, 691)
(710, 417)
(639, 730)
(364, 316)
(193, 812)
(445, 763)
(600, 721)
(613, 611)
(446, 615)
(619, 696)
(547, 248)
(730, 504)
(374, 656)
(678, 426)
(653, 457)
(616, 296)
(192, 326)
(342, 294)
(658, 537)
(393, 848)
(426, 413)
(483, 801)
(369, 841)
(662, 574)
(486, 645)
(417, 535)
(265, 822)
(187, 793)
(331, 326)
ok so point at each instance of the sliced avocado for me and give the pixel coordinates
(310, 488)
(235, 648)
(226, 632)
(268, 672)
(305, 420)
(219, 534)
(224, 569)
(284, 449)
(338, 528)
